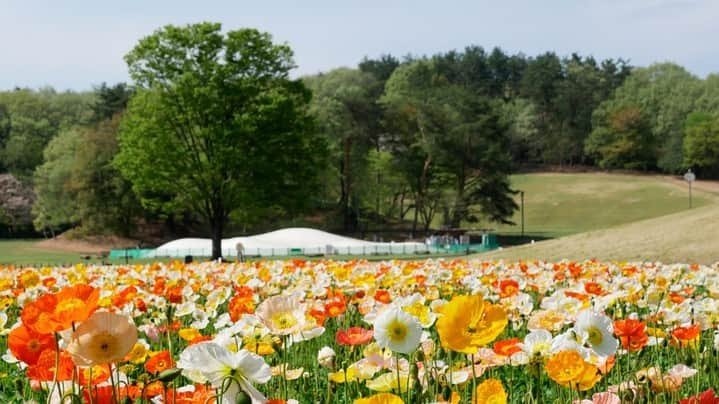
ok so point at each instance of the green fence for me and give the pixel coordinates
(489, 242)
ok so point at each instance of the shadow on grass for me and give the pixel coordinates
(516, 239)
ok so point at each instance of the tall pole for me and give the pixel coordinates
(690, 194)
(521, 194)
(690, 177)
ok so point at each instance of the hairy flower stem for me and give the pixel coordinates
(55, 383)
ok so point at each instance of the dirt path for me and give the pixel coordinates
(95, 246)
(701, 185)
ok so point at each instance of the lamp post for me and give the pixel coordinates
(521, 209)
(689, 177)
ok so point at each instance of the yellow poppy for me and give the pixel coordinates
(469, 323)
(382, 398)
(490, 391)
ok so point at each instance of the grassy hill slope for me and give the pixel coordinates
(559, 204)
(689, 236)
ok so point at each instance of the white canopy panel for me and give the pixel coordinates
(289, 241)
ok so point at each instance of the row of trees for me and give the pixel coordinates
(214, 128)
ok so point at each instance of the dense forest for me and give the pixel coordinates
(417, 140)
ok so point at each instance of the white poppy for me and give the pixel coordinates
(537, 343)
(103, 338)
(597, 330)
(283, 315)
(210, 362)
(397, 330)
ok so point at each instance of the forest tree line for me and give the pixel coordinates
(407, 140)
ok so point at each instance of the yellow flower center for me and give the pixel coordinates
(69, 305)
(103, 347)
(540, 348)
(595, 336)
(283, 320)
(397, 331)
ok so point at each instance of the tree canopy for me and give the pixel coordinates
(218, 126)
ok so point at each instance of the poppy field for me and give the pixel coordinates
(434, 331)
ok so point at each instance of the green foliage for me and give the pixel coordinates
(110, 101)
(218, 126)
(665, 94)
(4, 126)
(701, 143)
(344, 105)
(105, 200)
(55, 208)
(625, 142)
(565, 92)
(450, 142)
(35, 117)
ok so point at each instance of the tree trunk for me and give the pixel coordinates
(416, 216)
(217, 227)
(217, 230)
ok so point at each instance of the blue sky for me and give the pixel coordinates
(74, 44)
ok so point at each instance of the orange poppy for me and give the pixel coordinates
(124, 296)
(49, 282)
(244, 291)
(318, 315)
(579, 296)
(508, 288)
(335, 308)
(159, 362)
(94, 375)
(159, 286)
(239, 305)
(27, 345)
(201, 394)
(201, 338)
(176, 325)
(354, 336)
(382, 296)
(632, 334)
(58, 311)
(507, 347)
(44, 370)
(174, 294)
(593, 288)
(676, 297)
(154, 389)
(141, 305)
(104, 394)
(608, 365)
(686, 336)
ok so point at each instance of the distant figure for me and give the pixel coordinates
(240, 252)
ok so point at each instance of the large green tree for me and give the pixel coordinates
(625, 140)
(35, 118)
(450, 141)
(343, 103)
(701, 143)
(218, 126)
(55, 207)
(664, 94)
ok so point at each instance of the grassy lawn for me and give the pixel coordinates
(563, 204)
(556, 205)
(20, 252)
(25, 252)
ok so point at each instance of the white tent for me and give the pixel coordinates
(292, 241)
